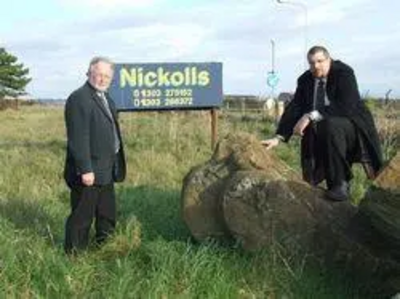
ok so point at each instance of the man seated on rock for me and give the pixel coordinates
(336, 127)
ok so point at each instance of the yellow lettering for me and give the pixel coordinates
(150, 79)
(126, 77)
(194, 75)
(187, 76)
(204, 78)
(177, 79)
(162, 77)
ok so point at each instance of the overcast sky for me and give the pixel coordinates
(57, 38)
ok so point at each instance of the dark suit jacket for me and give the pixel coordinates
(342, 92)
(90, 139)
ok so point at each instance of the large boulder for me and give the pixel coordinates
(260, 211)
(201, 201)
(381, 205)
(204, 185)
(247, 193)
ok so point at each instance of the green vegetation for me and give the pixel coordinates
(152, 254)
(13, 75)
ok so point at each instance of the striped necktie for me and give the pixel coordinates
(105, 103)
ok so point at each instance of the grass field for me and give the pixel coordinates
(152, 254)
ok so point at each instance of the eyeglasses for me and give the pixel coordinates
(317, 61)
(101, 76)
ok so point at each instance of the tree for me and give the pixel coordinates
(13, 75)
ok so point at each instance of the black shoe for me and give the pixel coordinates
(339, 192)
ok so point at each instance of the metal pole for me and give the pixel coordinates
(273, 55)
(305, 11)
(276, 104)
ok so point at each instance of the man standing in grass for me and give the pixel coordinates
(336, 127)
(95, 157)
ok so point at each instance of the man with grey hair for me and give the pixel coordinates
(95, 157)
(336, 127)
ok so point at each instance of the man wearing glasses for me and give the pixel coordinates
(95, 157)
(336, 127)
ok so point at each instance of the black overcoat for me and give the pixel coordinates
(345, 101)
(90, 139)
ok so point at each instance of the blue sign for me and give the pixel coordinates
(272, 79)
(166, 86)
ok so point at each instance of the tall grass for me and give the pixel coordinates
(152, 254)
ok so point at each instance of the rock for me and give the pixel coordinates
(247, 193)
(202, 199)
(389, 177)
(260, 211)
(203, 186)
(244, 151)
(381, 205)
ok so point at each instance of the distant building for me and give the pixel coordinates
(14, 102)
(285, 97)
(25, 98)
(243, 102)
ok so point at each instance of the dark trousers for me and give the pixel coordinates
(88, 203)
(337, 141)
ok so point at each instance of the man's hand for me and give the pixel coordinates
(88, 179)
(301, 125)
(270, 143)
